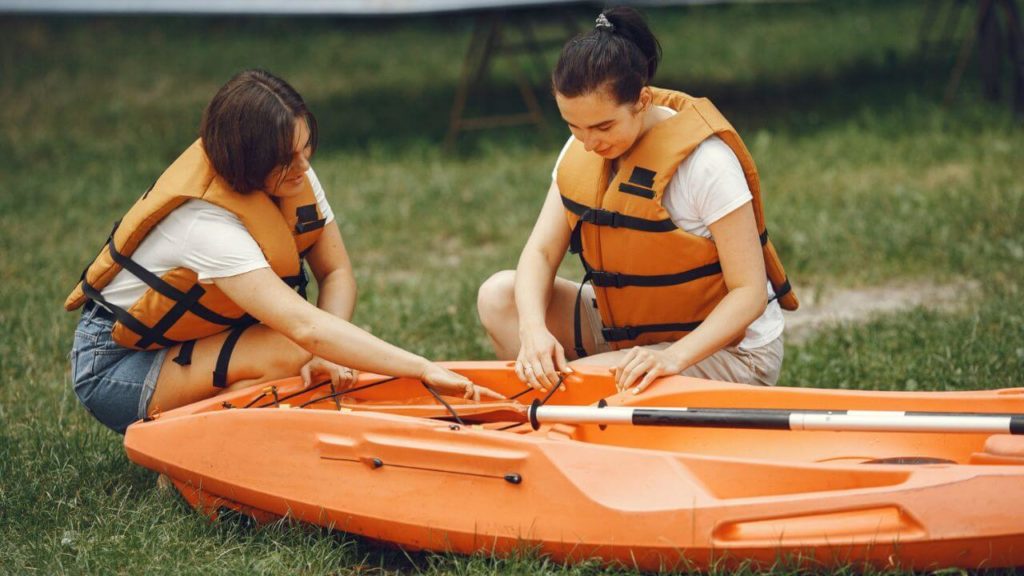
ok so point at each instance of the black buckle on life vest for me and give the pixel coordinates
(605, 279)
(602, 217)
(620, 333)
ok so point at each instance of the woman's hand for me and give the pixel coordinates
(451, 384)
(541, 359)
(317, 368)
(646, 363)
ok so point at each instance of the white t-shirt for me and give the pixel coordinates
(202, 237)
(708, 185)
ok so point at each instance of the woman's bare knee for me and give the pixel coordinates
(284, 358)
(495, 300)
(496, 306)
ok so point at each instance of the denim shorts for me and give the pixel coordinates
(114, 383)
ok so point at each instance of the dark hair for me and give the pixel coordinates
(248, 128)
(622, 53)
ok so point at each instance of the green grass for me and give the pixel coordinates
(868, 180)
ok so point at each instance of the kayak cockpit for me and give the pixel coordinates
(590, 385)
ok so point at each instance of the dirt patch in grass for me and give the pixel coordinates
(825, 308)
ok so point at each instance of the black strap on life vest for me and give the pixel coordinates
(615, 280)
(121, 315)
(606, 279)
(184, 357)
(603, 278)
(166, 289)
(619, 333)
(602, 217)
(299, 281)
(220, 371)
(781, 289)
(183, 301)
(577, 329)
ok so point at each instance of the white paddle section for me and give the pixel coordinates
(773, 419)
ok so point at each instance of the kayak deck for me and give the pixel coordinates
(363, 460)
(409, 397)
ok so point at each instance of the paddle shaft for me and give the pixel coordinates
(773, 419)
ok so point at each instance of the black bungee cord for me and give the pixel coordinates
(335, 395)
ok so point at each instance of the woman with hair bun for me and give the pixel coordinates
(198, 287)
(657, 194)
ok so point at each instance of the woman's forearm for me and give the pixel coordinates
(534, 278)
(265, 296)
(337, 294)
(339, 341)
(727, 322)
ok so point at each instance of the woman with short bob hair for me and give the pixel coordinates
(198, 288)
(660, 199)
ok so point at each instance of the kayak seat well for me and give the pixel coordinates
(731, 479)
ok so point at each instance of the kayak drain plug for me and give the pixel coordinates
(513, 478)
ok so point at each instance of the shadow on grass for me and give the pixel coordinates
(413, 116)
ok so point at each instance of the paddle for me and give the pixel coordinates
(775, 419)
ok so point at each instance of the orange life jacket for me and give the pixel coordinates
(653, 281)
(176, 308)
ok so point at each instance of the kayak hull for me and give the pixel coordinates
(646, 498)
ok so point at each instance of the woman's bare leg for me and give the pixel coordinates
(260, 355)
(496, 305)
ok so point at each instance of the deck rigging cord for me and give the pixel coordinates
(443, 403)
(341, 393)
(336, 394)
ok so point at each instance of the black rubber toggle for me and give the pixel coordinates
(513, 478)
(377, 463)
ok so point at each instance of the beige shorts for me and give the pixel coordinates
(730, 364)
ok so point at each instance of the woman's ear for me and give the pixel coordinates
(646, 99)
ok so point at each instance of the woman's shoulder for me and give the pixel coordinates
(713, 154)
(199, 211)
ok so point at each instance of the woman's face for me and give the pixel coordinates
(285, 181)
(604, 126)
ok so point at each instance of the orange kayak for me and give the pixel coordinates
(386, 460)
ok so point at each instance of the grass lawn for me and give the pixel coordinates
(867, 178)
